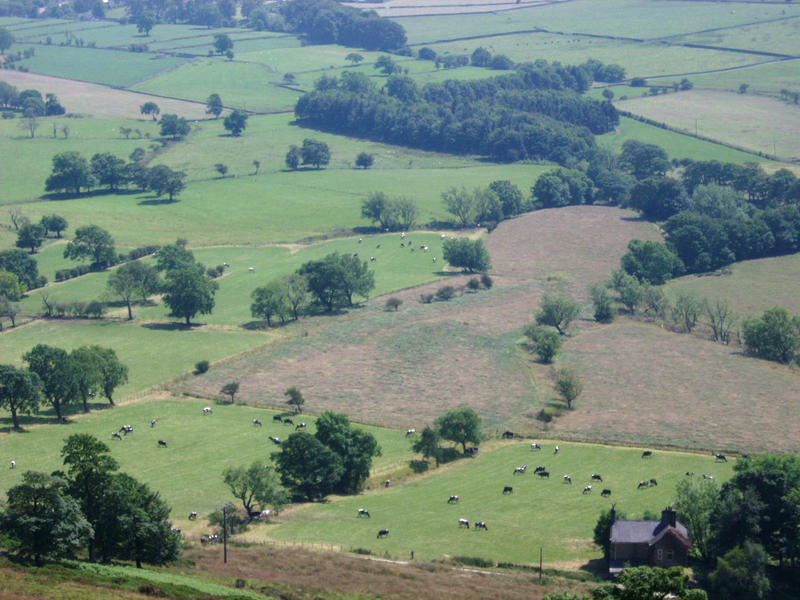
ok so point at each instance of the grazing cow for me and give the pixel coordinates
(443, 236)
(13, 464)
(226, 265)
(355, 254)
(643, 484)
(378, 246)
(508, 490)
(383, 533)
(535, 446)
(521, 470)
(257, 422)
(567, 479)
(363, 512)
(207, 410)
(152, 423)
(539, 469)
(192, 516)
(162, 444)
(274, 440)
(360, 240)
(434, 259)
(410, 432)
(463, 523)
(689, 473)
(481, 525)
(277, 418)
(472, 450)
(371, 259)
(126, 429)
(402, 245)
(606, 492)
(544, 474)
(720, 457)
(452, 499)
(508, 435)
(596, 477)
(175, 530)
(707, 476)
(556, 449)
(115, 435)
(251, 269)
(647, 454)
(587, 489)
(653, 481)
(387, 483)
(300, 426)
(288, 421)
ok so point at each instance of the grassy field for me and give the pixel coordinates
(540, 513)
(769, 78)
(780, 37)
(753, 122)
(188, 473)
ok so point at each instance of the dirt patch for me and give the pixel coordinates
(100, 101)
(407, 367)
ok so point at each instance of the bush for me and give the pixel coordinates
(393, 303)
(474, 284)
(447, 455)
(426, 298)
(201, 367)
(419, 466)
(446, 292)
(486, 281)
(474, 561)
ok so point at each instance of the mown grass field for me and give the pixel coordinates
(753, 122)
(781, 37)
(769, 78)
(540, 513)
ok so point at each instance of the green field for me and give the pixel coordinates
(540, 513)
(780, 37)
(769, 78)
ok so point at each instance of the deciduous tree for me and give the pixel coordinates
(188, 291)
(236, 122)
(150, 108)
(71, 172)
(174, 126)
(92, 243)
(230, 389)
(354, 446)
(163, 180)
(256, 485)
(467, 254)
(774, 336)
(133, 281)
(20, 392)
(314, 152)
(54, 223)
(56, 370)
(214, 105)
(308, 467)
(557, 311)
(460, 425)
(569, 385)
(30, 235)
(294, 399)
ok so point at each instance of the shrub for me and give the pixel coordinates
(474, 284)
(486, 281)
(446, 292)
(474, 561)
(426, 298)
(419, 466)
(202, 366)
(393, 303)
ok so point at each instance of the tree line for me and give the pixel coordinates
(535, 113)
(29, 102)
(90, 506)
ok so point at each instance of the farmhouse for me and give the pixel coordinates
(663, 543)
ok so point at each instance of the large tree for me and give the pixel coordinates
(648, 583)
(71, 172)
(308, 467)
(21, 264)
(214, 105)
(460, 425)
(42, 521)
(6, 39)
(163, 180)
(188, 291)
(54, 223)
(173, 256)
(467, 254)
(314, 152)
(354, 446)
(222, 43)
(92, 243)
(56, 370)
(20, 392)
(270, 301)
(30, 235)
(133, 281)
(557, 311)
(174, 126)
(651, 262)
(695, 501)
(109, 170)
(427, 444)
(254, 485)
(87, 373)
(643, 160)
(236, 122)
(336, 278)
(150, 108)
(774, 335)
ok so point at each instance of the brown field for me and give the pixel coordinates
(410, 366)
(644, 383)
(307, 575)
(758, 123)
(100, 101)
(411, 8)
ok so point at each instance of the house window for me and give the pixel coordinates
(670, 555)
(659, 555)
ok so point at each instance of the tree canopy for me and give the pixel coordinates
(236, 122)
(188, 291)
(71, 172)
(467, 254)
(20, 392)
(460, 425)
(92, 243)
(134, 280)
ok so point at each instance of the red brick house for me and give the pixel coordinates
(663, 543)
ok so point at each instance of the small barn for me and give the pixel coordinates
(663, 543)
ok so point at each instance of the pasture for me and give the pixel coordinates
(539, 513)
(753, 122)
(769, 78)
(782, 36)
(188, 472)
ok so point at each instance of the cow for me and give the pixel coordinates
(587, 489)
(288, 421)
(363, 512)
(605, 493)
(277, 418)
(115, 435)
(539, 469)
(452, 499)
(251, 269)
(508, 490)
(300, 426)
(535, 446)
(481, 525)
(567, 479)
(544, 474)
(472, 450)
(371, 259)
(647, 454)
(387, 483)
(126, 429)
(596, 477)
(463, 523)
(207, 410)
(162, 444)
(192, 516)
(556, 449)
(707, 476)
(383, 533)
(13, 464)
(152, 423)
(689, 473)
(274, 440)
(257, 422)
(720, 458)
(508, 435)
(653, 481)
(643, 484)
(410, 432)
(520, 470)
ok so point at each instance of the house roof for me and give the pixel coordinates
(645, 532)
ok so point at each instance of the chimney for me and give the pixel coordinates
(668, 517)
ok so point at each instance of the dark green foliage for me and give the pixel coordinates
(354, 446)
(307, 467)
(364, 160)
(214, 105)
(109, 170)
(71, 172)
(695, 502)
(658, 198)
(393, 303)
(54, 223)
(629, 289)
(92, 243)
(134, 280)
(56, 370)
(163, 180)
(427, 444)
(500, 62)
(602, 530)
(390, 212)
(293, 157)
(651, 262)
(603, 307)
(481, 57)
(557, 311)
(740, 574)
(173, 256)
(294, 399)
(460, 425)
(644, 160)
(270, 301)
(222, 43)
(687, 310)
(569, 385)
(22, 265)
(470, 255)
(646, 583)
(314, 152)
(19, 392)
(188, 291)
(445, 293)
(113, 373)
(174, 126)
(486, 280)
(510, 197)
(546, 342)
(773, 336)
(335, 279)
(150, 108)
(256, 485)
(426, 53)
(42, 521)
(6, 39)
(230, 389)
(562, 187)
(236, 122)
(30, 235)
